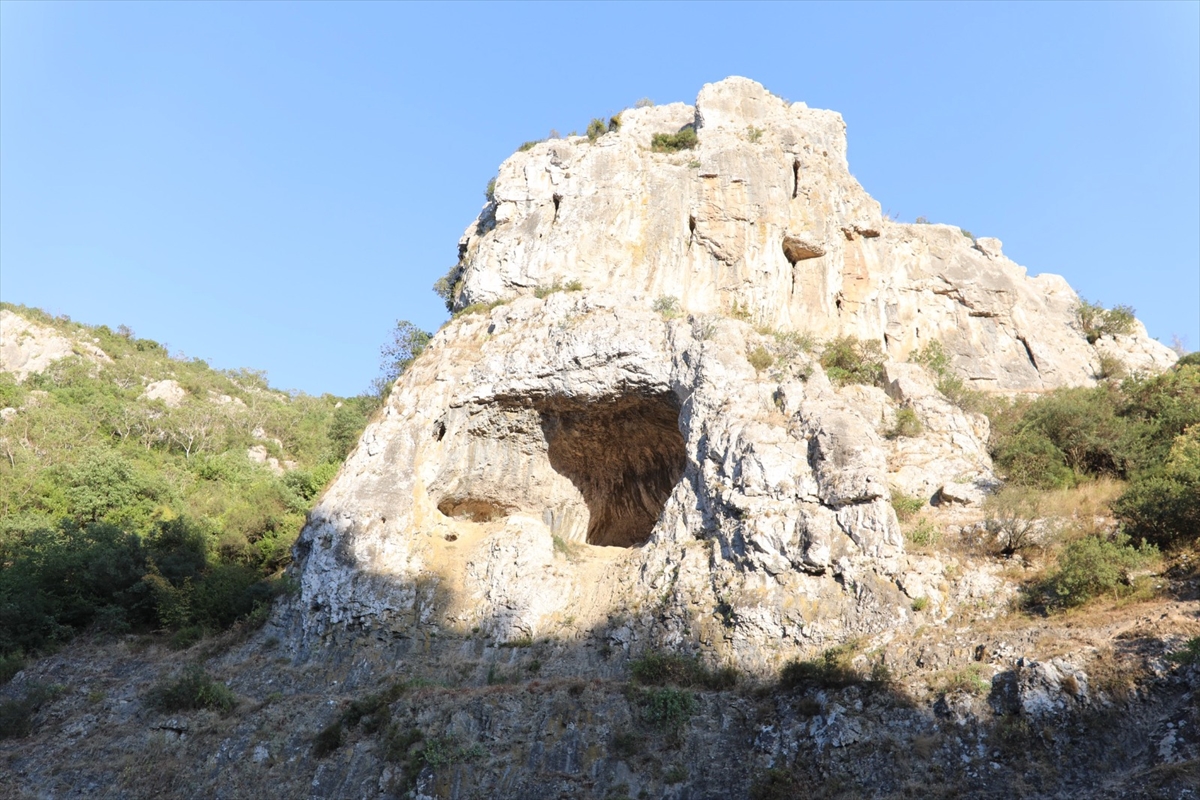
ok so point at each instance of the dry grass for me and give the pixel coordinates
(1084, 502)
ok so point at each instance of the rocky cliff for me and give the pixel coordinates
(651, 456)
(618, 533)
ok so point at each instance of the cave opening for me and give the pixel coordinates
(624, 455)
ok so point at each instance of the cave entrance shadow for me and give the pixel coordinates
(624, 454)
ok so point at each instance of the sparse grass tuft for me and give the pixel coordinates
(193, 689)
(907, 425)
(662, 669)
(760, 358)
(906, 506)
(668, 306)
(542, 292)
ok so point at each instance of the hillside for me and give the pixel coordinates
(716, 484)
(140, 491)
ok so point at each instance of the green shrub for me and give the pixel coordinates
(907, 424)
(934, 358)
(906, 506)
(969, 679)
(674, 142)
(760, 358)
(851, 360)
(668, 306)
(923, 535)
(558, 286)
(16, 716)
(526, 146)
(775, 784)
(328, 739)
(1097, 321)
(753, 134)
(193, 689)
(919, 603)
(662, 669)
(833, 670)
(614, 122)
(1094, 565)
(1162, 505)
(595, 129)
(489, 193)
(10, 665)
(447, 287)
(1190, 654)
(667, 709)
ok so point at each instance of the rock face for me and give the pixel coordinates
(598, 466)
(763, 217)
(27, 348)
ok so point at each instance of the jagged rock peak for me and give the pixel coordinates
(763, 218)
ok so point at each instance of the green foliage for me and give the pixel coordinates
(527, 146)
(907, 424)
(662, 669)
(851, 360)
(10, 665)
(906, 506)
(1093, 565)
(558, 286)
(1097, 321)
(760, 358)
(833, 670)
(674, 142)
(924, 534)
(193, 689)
(775, 784)
(666, 709)
(448, 286)
(328, 739)
(644, 102)
(667, 306)
(1124, 431)
(1190, 654)
(595, 129)
(1162, 505)
(405, 346)
(478, 308)
(122, 513)
(753, 134)
(934, 358)
(16, 716)
(969, 679)
(919, 603)
(490, 192)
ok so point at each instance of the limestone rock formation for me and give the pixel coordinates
(596, 465)
(27, 348)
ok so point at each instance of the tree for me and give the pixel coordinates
(406, 344)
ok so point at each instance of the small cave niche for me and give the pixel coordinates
(473, 509)
(795, 178)
(623, 454)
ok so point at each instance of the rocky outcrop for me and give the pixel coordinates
(647, 458)
(764, 218)
(27, 348)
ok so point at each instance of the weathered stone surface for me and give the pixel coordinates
(764, 217)
(578, 465)
(168, 391)
(27, 348)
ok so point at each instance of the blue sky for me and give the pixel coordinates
(272, 185)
